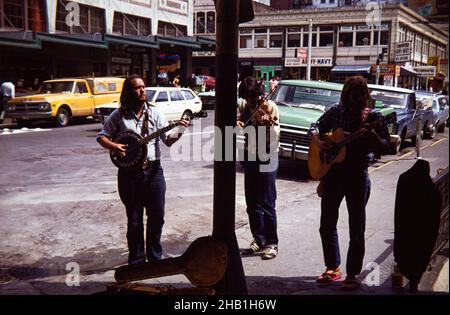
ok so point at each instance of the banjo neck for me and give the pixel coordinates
(157, 133)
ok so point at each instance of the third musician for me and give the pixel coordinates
(348, 179)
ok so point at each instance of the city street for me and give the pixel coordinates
(59, 205)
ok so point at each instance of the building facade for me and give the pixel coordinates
(345, 40)
(42, 39)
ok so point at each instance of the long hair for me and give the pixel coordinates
(128, 96)
(251, 88)
(355, 94)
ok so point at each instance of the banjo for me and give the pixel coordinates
(136, 152)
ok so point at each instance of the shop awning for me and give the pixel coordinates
(139, 41)
(206, 40)
(352, 69)
(87, 40)
(407, 72)
(20, 39)
(178, 41)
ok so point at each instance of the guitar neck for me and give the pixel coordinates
(157, 133)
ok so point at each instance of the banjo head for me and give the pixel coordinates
(136, 153)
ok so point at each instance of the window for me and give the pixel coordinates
(200, 23)
(260, 41)
(275, 41)
(170, 29)
(384, 38)
(245, 41)
(305, 39)
(131, 25)
(362, 38)
(92, 20)
(81, 87)
(150, 94)
(346, 39)
(13, 12)
(326, 36)
(211, 22)
(188, 94)
(22, 15)
(176, 96)
(162, 97)
(294, 40)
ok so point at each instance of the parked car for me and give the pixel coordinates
(439, 105)
(300, 104)
(173, 102)
(62, 99)
(408, 110)
(210, 82)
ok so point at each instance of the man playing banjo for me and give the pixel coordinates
(142, 186)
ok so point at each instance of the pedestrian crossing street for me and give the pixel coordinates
(9, 131)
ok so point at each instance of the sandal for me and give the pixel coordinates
(330, 275)
(351, 284)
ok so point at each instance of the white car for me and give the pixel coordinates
(173, 102)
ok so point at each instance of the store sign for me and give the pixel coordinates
(203, 54)
(402, 48)
(402, 58)
(402, 51)
(385, 70)
(292, 62)
(126, 61)
(303, 62)
(425, 71)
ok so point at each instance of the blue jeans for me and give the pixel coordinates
(260, 196)
(355, 187)
(138, 190)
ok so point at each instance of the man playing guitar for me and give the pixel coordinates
(144, 186)
(349, 179)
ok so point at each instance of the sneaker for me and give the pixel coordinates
(270, 252)
(253, 248)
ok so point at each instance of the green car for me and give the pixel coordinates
(301, 103)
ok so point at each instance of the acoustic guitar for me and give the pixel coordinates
(136, 152)
(320, 161)
(204, 264)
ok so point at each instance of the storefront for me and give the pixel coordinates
(295, 68)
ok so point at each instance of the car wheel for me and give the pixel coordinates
(62, 117)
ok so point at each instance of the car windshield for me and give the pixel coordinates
(390, 98)
(150, 94)
(426, 99)
(57, 87)
(306, 97)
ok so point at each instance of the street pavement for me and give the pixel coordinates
(59, 206)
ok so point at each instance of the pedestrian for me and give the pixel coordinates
(349, 179)
(273, 83)
(259, 182)
(146, 186)
(7, 92)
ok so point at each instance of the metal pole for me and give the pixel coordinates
(308, 69)
(377, 79)
(233, 281)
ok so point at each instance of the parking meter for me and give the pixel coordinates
(419, 110)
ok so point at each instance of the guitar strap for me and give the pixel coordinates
(144, 130)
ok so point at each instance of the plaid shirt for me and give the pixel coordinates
(339, 117)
